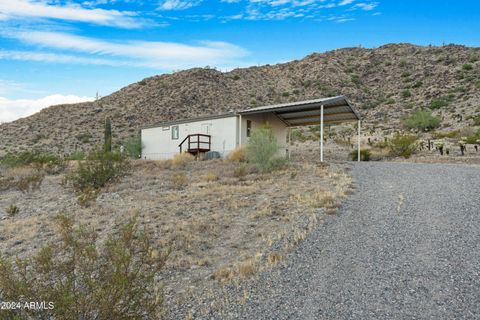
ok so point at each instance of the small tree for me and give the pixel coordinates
(421, 120)
(117, 280)
(262, 148)
(403, 145)
(107, 145)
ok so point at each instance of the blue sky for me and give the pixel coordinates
(54, 51)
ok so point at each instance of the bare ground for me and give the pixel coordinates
(224, 221)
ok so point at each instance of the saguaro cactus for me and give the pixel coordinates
(107, 145)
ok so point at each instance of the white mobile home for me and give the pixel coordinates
(223, 133)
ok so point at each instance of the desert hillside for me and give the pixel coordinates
(384, 83)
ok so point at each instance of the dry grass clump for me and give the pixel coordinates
(179, 180)
(237, 155)
(274, 258)
(211, 177)
(247, 268)
(224, 274)
(12, 210)
(317, 199)
(262, 212)
(24, 179)
(181, 159)
(240, 172)
(244, 269)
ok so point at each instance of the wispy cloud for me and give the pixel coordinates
(298, 9)
(72, 12)
(366, 6)
(178, 4)
(60, 58)
(11, 110)
(162, 55)
(345, 2)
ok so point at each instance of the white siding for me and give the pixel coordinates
(158, 143)
(279, 128)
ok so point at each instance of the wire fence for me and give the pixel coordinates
(169, 155)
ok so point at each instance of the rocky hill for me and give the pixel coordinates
(384, 83)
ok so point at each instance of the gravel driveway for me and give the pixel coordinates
(406, 245)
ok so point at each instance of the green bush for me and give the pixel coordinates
(297, 135)
(364, 155)
(406, 94)
(99, 169)
(133, 147)
(467, 67)
(262, 148)
(403, 145)
(438, 103)
(115, 280)
(77, 155)
(355, 79)
(421, 120)
(476, 120)
(31, 158)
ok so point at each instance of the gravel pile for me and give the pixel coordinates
(406, 245)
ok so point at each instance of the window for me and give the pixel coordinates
(174, 132)
(249, 128)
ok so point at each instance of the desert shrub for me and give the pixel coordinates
(133, 147)
(181, 159)
(442, 135)
(421, 120)
(237, 155)
(114, 280)
(406, 94)
(30, 181)
(262, 148)
(240, 171)
(467, 67)
(403, 145)
(179, 180)
(438, 103)
(99, 169)
(84, 137)
(77, 155)
(364, 155)
(355, 79)
(12, 210)
(297, 135)
(25, 179)
(37, 158)
(476, 120)
(211, 177)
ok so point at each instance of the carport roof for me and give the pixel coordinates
(335, 110)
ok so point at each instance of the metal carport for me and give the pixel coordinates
(313, 112)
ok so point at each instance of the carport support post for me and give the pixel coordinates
(358, 156)
(321, 133)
